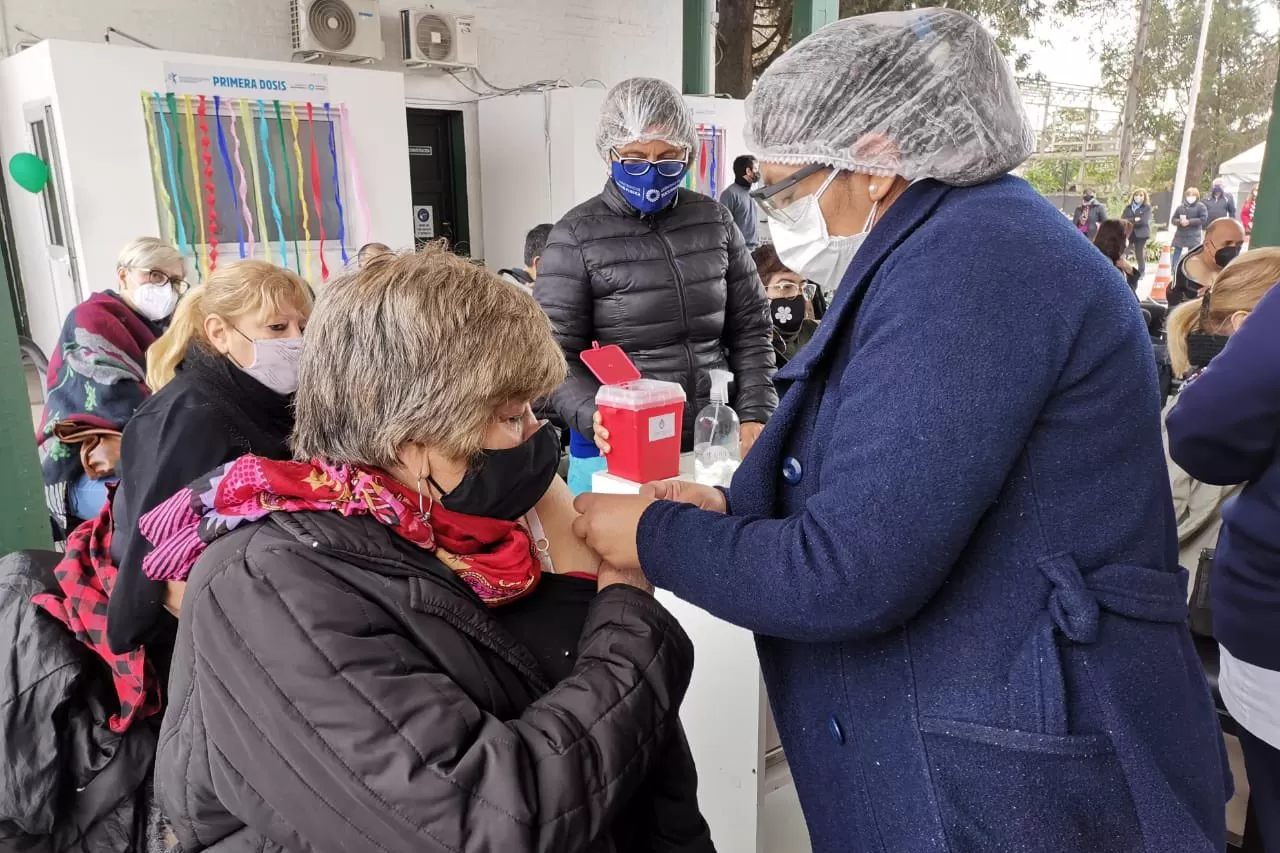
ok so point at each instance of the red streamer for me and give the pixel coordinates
(207, 155)
(315, 189)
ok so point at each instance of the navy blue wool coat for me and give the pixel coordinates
(956, 545)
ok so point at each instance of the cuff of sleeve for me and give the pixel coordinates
(651, 542)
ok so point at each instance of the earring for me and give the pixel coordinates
(425, 502)
(872, 188)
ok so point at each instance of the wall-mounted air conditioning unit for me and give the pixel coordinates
(438, 40)
(345, 30)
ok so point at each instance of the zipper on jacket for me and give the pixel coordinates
(691, 404)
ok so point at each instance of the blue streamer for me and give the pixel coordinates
(226, 164)
(264, 135)
(715, 139)
(168, 164)
(337, 187)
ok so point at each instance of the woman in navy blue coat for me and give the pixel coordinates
(954, 540)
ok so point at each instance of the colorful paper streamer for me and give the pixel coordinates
(157, 170)
(337, 186)
(180, 178)
(225, 153)
(210, 191)
(302, 191)
(353, 167)
(316, 184)
(271, 181)
(293, 214)
(252, 145)
(192, 143)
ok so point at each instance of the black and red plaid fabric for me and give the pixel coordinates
(86, 576)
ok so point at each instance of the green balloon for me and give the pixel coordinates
(29, 172)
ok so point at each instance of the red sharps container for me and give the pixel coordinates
(644, 417)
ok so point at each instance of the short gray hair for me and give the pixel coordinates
(149, 253)
(417, 349)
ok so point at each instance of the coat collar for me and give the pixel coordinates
(912, 208)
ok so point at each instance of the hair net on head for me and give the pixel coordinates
(643, 109)
(921, 94)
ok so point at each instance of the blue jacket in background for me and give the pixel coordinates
(956, 546)
(1225, 430)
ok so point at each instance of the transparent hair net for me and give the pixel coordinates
(921, 94)
(642, 109)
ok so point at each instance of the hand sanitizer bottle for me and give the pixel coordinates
(715, 436)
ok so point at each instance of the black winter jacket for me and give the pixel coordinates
(335, 688)
(68, 784)
(677, 291)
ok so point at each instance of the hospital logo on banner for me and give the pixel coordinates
(184, 79)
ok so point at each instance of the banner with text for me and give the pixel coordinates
(185, 79)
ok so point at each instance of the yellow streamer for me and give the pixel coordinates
(196, 184)
(253, 165)
(302, 196)
(156, 174)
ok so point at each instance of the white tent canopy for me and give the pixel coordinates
(1246, 167)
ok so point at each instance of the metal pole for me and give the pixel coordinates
(1131, 99)
(1088, 137)
(1266, 218)
(24, 518)
(1184, 154)
(697, 47)
(810, 15)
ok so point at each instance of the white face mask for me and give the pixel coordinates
(155, 301)
(805, 247)
(275, 363)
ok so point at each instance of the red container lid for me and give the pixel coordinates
(609, 364)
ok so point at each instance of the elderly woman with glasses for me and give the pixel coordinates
(396, 643)
(97, 378)
(661, 271)
(954, 539)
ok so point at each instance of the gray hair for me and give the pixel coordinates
(150, 253)
(417, 349)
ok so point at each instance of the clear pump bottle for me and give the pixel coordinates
(715, 435)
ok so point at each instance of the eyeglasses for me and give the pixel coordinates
(638, 166)
(790, 289)
(157, 277)
(771, 197)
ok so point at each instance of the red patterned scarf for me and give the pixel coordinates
(496, 558)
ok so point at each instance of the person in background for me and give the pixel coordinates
(1189, 221)
(1090, 214)
(954, 539)
(224, 375)
(1138, 214)
(534, 242)
(369, 251)
(737, 198)
(387, 662)
(1220, 204)
(97, 378)
(790, 303)
(660, 271)
(1225, 430)
(1223, 241)
(1112, 240)
(1247, 211)
(1198, 332)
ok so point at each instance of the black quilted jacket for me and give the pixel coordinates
(337, 689)
(677, 291)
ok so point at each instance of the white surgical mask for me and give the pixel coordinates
(275, 363)
(155, 301)
(804, 246)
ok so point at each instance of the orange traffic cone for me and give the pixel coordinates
(1164, 275)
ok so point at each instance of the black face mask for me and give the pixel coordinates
(1088, 199)
(788, 314)
(1226, 255)
(506, 484)
(1201, 349)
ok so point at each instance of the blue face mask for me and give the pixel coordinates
(647, 193)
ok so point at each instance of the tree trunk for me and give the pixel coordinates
(733, 48)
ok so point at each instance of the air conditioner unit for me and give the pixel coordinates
(347, 30)
(437, 39)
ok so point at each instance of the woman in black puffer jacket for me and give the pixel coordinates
(660, 271)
